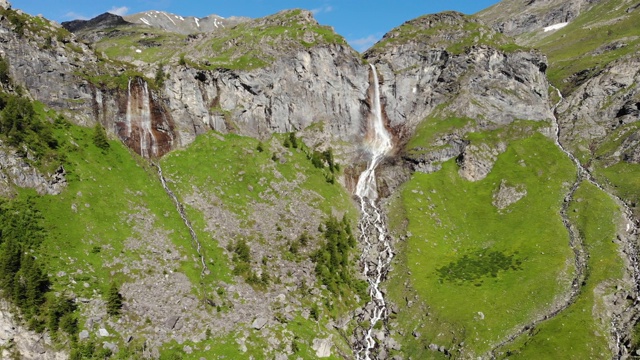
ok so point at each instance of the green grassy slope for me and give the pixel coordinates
(582, 330)
(89, 222)
(475, 267)
(268, 203)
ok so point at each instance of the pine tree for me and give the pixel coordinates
(9, 265)
(36, 283)
(114, 300)
(100, 137)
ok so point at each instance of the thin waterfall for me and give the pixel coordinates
(377, 252)
(128, 116)
(139, 118)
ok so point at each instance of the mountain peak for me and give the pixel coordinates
(181, 24)
(99, 22)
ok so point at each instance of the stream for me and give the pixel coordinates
(377, 253)
(194, 237)
(619, 327)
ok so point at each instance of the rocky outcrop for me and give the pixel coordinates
(425, 79)
(602, 105)
(476, 161)
(482, 83)
(103, 21)
(325, 84)
(514, 17)
(15, 170)
(18, 342)
(506, 195)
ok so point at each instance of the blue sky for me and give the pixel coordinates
(360, 22)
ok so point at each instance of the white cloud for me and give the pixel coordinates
(324, 9)
(75, 16)
(122, 10)
(363, 44)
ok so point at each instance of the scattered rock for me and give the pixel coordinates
(171, 322)
(322, 347)
(259, 323)
(103, 332)
(84, 334)
(111, 346)
(507, 195)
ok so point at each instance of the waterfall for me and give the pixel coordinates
(377, 252)
(379, 143)
(139, 118)
(129, 114)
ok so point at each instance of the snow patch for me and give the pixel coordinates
(215, 23)
(170, 19)
(139, 51)
(197, 22)
(145, 21)
(555, 26)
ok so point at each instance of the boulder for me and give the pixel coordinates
(322, 347)
(259, 323)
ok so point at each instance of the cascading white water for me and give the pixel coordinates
(139, 116)
(379, 142)
(129, 113)
(377, 252)
(185, 219)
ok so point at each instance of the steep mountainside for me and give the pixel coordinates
(186, 188)
(183, 25)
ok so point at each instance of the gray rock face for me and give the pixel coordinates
(477, 160)
(484, 83)
(5, 4)
(324, 84)
(514, 17)
(602, 105)
(16, 171)
(259, 323)
(16, 340)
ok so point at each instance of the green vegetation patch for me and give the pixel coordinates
(237, 172)
(258, 43)
(582, 330)
(131, 43)
(483, 263)
(453, 31)
(527, 247)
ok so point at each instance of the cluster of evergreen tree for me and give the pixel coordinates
(22, 277)
(333, 259)
(242, 265)
(20, 126)
(319, 159)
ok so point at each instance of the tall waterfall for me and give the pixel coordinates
(138, 121)
(377, 252)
